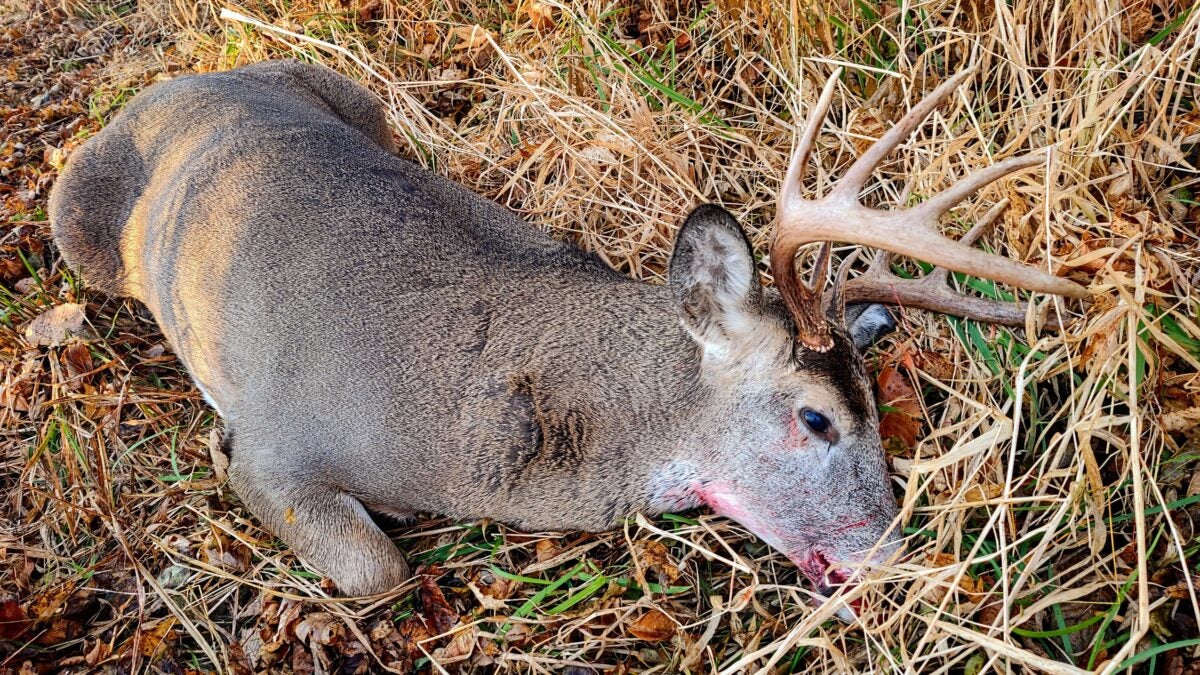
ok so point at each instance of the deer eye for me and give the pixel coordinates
(815, 421)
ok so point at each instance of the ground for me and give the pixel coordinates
(1050, 479)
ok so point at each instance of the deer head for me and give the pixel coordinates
(802, 466)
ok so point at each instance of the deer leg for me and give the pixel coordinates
(327, 527)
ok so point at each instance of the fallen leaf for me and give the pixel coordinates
(438, 613)
(320, 628)
(152, 641)
(1178, 591)
(239, 663)
(1137, 19)
(1193, 488)
(986, 614)
(99, 651)
(1181, 420)
(975, 493)
(51, 600)
(653, 556)
(58, 630)
(653, 626)
(941, 559)
(221, 550)
(540, 14)
(545, 550)
(895, 390)
(77, 359)
(865, 131)
(216, 453)
(934, 363)
(369, 10)
(901, 420)
(410, 634)
(492, 590)
(460, 647)
(13, 621)
(55, 325)
(469, 37)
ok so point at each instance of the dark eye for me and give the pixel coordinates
(815, 421)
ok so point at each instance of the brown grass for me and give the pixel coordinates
(1052, 492)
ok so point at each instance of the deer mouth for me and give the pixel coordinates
(815, 565)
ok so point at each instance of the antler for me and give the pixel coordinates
(838, 216)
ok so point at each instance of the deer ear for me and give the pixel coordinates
(868, 323)
(713, 279)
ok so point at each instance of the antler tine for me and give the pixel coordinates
(858, 173)
(799, 162)
(837, 299)
(939, 204)
(803, 300)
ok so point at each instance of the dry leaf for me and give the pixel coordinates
(77, 359)
(57, 631)
(653, 556)
(52, 327)
(941, 559)
(865, 131)
(1016, 227)
(320, 628)
(460, 647)
(895, 390)
(986, 615)
(1193, 488)
(1137, 19)
(221, 550)
(216, 453)
(976, 589)
(99, 652)
(369, 10)
(902, 421)
(469, 37)
(935, 364)
(409, 636)
(545, 550)
(155, 638)
(653, 626)
(491, 590)
(51, 600)
(975, 493)
(239, 663)
(540, 14)
(1181, 420)
(13, 621)
(438, 613)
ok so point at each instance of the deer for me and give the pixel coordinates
(381, 342)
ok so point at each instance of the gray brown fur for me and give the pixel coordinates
(376, 336)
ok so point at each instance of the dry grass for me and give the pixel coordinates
(1051, 496)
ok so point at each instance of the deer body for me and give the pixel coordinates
(377, 338)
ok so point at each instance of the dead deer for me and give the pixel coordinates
(378, 339)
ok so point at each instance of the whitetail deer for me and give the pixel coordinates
(379, 339)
